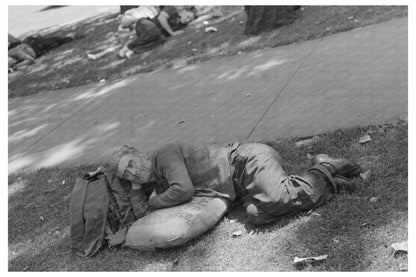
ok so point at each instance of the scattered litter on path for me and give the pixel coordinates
(364, 139)
(351, 18)
(181, 122)
(205, 22)
(232, 220)
(400, 247)
(237, 233)
(365, 175)
(194, 49)
(298, 261)
(102, 80)
(210, 29)
(251, 233)
(63, 182)
(248, 94)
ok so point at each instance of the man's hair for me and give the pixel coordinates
(130, 153)
(126, 150)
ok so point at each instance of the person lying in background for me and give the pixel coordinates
(33, 47)
(151, 32)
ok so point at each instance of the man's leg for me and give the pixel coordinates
(291, 195)
(268, 192)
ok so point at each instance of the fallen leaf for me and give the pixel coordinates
(373, 199)
(210, 29)
(67, 197)
(365, 138)
(400, 246)
(403, 267)
(309, 259)
(181, 122)
(365, 175)
(237, 233)
(41, 218)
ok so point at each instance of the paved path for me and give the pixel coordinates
(26, 19)
(351, 78)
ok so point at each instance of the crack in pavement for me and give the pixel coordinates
(283, 88)
(50, 132)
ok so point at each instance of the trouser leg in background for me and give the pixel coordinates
(45, 44)
(268, 192)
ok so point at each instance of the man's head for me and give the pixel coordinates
(127, 21)
(186, 16)
(133, 165)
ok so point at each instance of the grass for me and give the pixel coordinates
(354, 232)
(68, 66)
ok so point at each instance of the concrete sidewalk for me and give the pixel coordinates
(351, 78)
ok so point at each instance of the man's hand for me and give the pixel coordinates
(154, 193)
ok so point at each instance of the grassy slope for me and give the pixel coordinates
(68, 66)
(355, 233)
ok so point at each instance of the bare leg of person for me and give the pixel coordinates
(102, 53)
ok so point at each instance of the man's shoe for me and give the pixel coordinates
(338, 166)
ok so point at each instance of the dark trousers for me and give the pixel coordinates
(266, 18)
(41, 45)
(268, 192)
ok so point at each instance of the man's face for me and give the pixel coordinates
(137, 170)
(186, 16)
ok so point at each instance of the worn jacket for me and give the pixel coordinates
(185, 170)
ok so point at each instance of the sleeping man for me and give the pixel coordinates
(251, 173)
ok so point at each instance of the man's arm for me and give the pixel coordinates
(170, 164)
(163, 20)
